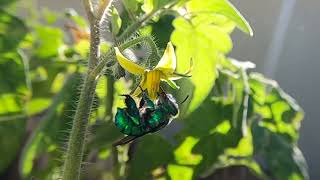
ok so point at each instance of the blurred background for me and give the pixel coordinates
(285, 47)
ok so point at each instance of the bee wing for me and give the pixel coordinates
(132, 109)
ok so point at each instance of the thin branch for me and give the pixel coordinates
(89, 9)
(246, 91)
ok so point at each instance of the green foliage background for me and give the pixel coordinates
(234, 117)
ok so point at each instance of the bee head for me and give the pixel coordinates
(168, 102)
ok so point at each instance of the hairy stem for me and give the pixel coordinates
(74, 155)
(94, 43)
(154, 48)
(76, 143)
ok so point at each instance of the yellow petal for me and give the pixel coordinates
(128, 65)
(142, 85)
(168, 62)
(153, 83)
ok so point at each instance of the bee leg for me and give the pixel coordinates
(125, 140)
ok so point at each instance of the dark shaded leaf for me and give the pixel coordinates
(50, 134)
(12, 31)
(11, 137)
(152, 152)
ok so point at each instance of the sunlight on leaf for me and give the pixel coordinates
(183, 154)
(203, 38)
(177, 172)
(50, 40)
(223, 7)
(151, 5)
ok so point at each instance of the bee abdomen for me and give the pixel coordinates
(125, 124)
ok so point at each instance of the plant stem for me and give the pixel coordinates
(76, 143)
(72, 164)
(94, 43)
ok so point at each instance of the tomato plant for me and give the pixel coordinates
(60, 87)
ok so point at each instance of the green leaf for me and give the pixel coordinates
(177, 172)
(151, 153)
(217, 127)
(131, 4)
(116, 21)
(223, 7)
(210, 126)
(279, 111)
(11, 65)
(212, 146)
(48, 133)
(11, 135)
(183, 153)
(282, 158)
(162, 30)
(49, 40)
(228, 161)
(202, 38)
(151, 5)
(12, 31)
(13, 90)
(276, 132)
(242, 155)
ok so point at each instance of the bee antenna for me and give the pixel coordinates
(185, 99)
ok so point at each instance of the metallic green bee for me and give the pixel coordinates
(148, 118)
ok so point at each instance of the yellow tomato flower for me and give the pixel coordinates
(165, 71)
